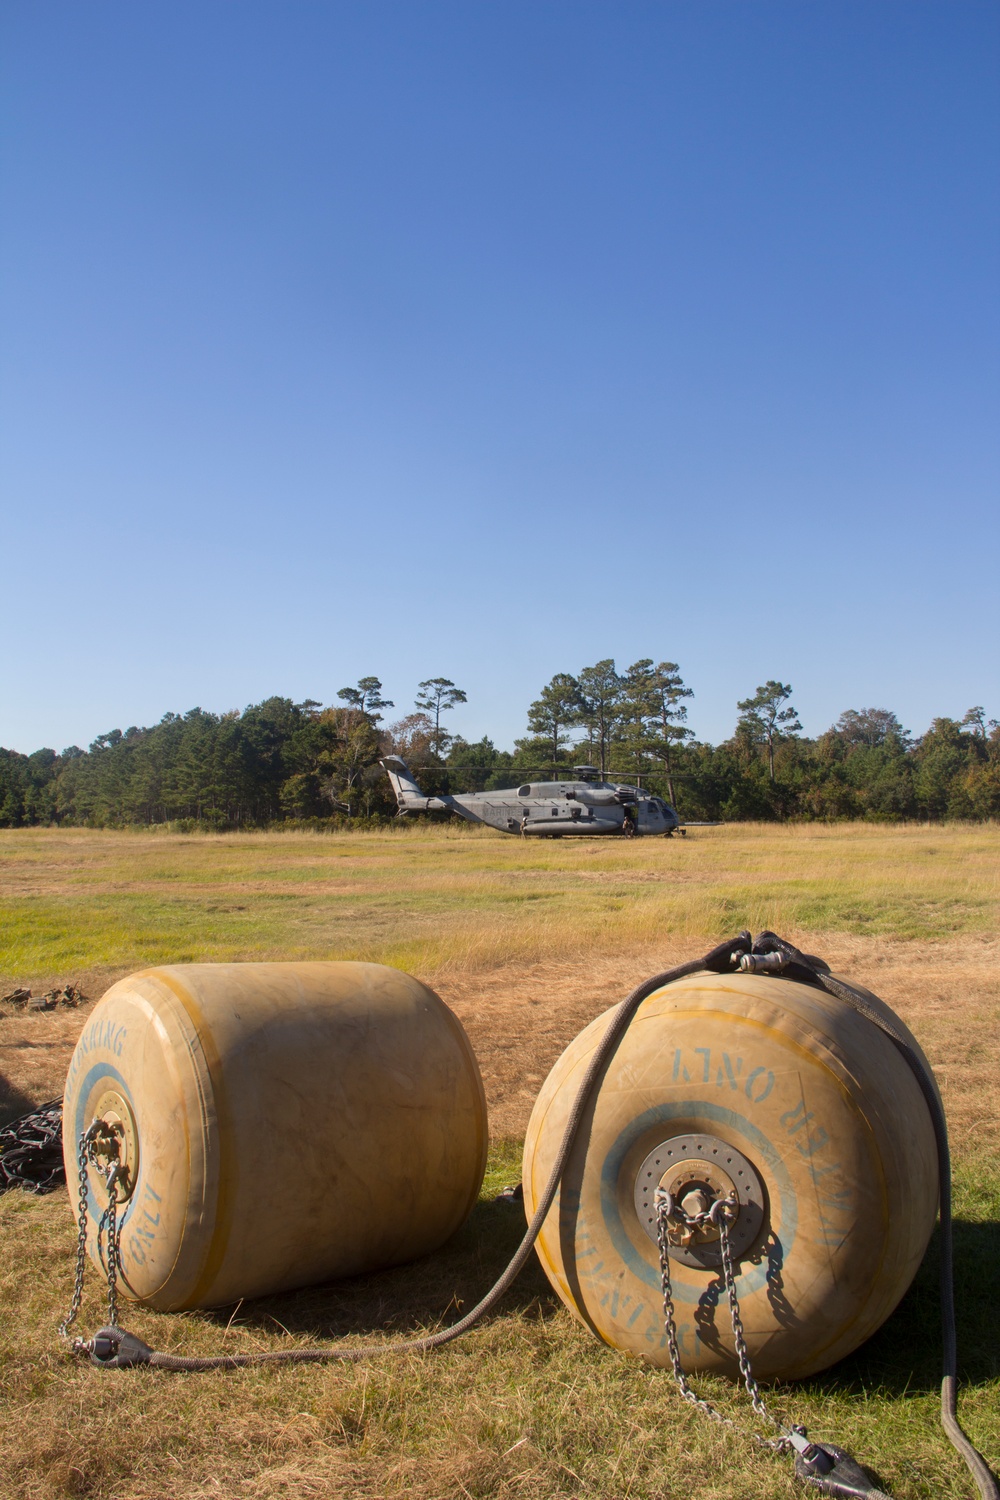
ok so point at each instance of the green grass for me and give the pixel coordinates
(450, 897)
(528, 1404)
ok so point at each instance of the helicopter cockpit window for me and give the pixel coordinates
(524, 791)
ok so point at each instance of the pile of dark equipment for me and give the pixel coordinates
(31, 1146)
(22, 999)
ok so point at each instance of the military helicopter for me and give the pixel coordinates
(545, 809)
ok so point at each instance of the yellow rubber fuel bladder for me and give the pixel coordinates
(282, 1124)
(830, 1153)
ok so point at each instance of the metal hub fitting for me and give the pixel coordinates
(115, 1113)
(697, 1171)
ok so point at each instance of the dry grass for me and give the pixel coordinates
(454, 898)
(527, 944)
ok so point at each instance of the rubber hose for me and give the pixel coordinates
(980, 1470)
(719, 960)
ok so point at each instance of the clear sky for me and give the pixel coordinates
(487, 340)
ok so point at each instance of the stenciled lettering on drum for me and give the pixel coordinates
(100, 1033)
(604, 1283)
(811, 1140)
(143, 1225)
(602, 1279)
(135, 1214)
(728, 1072)
(838, 1197)
(833, 1198)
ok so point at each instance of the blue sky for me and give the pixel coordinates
(487, 340)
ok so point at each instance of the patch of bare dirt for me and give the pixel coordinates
(520, 1018)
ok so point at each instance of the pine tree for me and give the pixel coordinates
(765, 721)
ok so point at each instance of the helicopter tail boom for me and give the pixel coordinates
(409, 797)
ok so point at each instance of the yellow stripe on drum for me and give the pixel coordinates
(217, 1120)
(822, 1111)
(295, 1123)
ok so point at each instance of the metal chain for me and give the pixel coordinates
(81, 1240)
(665, 1209)
(739, 1338)
(97, 1141)
(109, 1220)
(31, 1156)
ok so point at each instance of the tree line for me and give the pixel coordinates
(280, 762)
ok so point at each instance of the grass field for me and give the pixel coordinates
(527, 942)
(457, 898)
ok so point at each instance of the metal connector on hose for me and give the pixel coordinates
(763, 963)
(113, 1348)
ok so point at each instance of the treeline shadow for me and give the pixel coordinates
(436, 1290)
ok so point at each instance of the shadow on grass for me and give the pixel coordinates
(13, 1103)
(405, 1300)
(904, 1356)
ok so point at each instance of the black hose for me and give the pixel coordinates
(114, 1347)
(768, 942)
(126, 1349)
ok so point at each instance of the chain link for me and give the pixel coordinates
(96, 1142)
(739, 1338)
(31, 1156)
(109, 1221)
(665, 1210)
(81, 1240)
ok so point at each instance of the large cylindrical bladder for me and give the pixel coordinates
(766, 1092)
(278, 1124)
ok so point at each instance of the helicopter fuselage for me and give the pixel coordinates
(543, 808)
